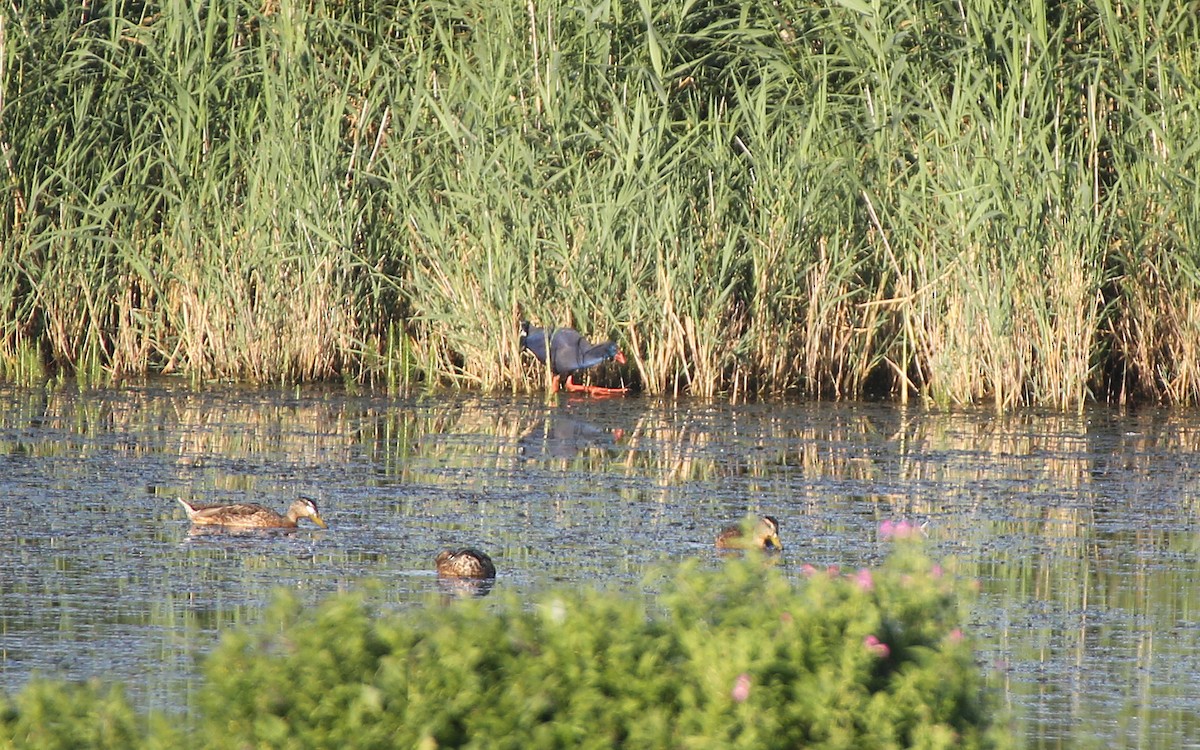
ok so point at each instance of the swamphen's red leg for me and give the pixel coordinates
(593, 390)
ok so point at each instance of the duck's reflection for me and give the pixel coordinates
(233, 532)
(464, 588)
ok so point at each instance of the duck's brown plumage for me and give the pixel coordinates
(252, 515)
(464, 563)
(764, 535)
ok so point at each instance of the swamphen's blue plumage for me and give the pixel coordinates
(569, 353)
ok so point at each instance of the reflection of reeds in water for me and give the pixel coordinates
(227, 441)
(674, 444)
(1064, 447)
(1105, 606)
(231, 424)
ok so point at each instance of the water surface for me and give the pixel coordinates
(1080, 529)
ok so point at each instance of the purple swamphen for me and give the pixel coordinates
(570, 352)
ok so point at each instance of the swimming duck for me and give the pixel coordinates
(464, 563)
(569, 353)
(764, 535)
(251, 515)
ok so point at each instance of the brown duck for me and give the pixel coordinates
(764, 535)
(464, 563)
(251, 515)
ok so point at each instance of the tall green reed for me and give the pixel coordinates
(1149, 104)
(959, 204)
(191, 216)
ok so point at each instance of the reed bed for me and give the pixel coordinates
(994, 204)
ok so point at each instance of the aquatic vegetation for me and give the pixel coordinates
(971, 204)
(737, 656)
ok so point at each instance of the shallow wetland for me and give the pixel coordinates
(1081, 529)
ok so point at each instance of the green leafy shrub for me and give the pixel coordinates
(742, 656)
(736, 657)
(50, 715)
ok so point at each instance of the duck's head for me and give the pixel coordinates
(303, 507)
(766, 533)
(466, 562)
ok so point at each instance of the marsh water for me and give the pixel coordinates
(1081, 529)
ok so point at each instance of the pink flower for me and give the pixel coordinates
(808, 570)
(956, 636)
(864, 579)
(902, 529)
(741, 688)
(877, 647)
(936, 571)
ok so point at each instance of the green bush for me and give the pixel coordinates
(741, 656)
(737, 657)
(51, 715)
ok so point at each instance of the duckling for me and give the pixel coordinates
(252, 516)
(764, 535)
(464, 563)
